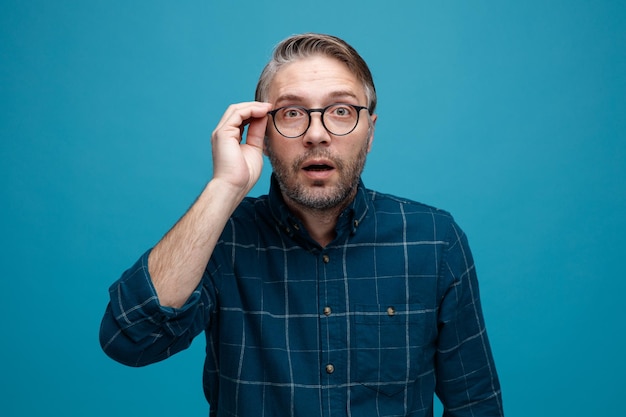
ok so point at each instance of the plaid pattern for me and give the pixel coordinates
(371, 325)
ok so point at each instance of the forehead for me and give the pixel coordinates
(314, 81)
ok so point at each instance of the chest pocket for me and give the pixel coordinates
(393, 345)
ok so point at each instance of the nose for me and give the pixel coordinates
(316, 133)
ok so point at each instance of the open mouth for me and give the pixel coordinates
(318, 167)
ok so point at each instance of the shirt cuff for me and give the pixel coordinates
(136, 308)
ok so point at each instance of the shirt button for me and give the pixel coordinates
(327, 311)
(326, 259)
(391, 311)
(330, 368)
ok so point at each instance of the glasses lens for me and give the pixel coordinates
(291, 121)
(341, 119)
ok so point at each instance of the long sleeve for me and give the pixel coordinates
(467, 382)
(136, 330)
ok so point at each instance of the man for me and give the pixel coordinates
(322, 298)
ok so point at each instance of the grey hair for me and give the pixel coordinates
(310, 44)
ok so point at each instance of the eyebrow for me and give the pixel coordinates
(299, 99)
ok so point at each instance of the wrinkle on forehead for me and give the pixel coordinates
(316, 81)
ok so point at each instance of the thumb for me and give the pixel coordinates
(256, 132)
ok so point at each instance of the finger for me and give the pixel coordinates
(237, 115)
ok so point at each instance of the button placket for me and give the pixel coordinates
(331, 324)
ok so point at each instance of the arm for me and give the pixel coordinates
(158, 305)
(177, 262)
(467, 382)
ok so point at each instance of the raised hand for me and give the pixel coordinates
(236, 163)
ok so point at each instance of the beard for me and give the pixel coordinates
(319, 196)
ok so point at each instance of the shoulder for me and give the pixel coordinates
(251, 209)
(396, 204)
(250, 220)
(413, 216)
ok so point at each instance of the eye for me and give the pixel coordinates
(292, 113)
(341, 111)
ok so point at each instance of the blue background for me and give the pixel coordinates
(510, 114)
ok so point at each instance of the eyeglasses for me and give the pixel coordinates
(338, 119)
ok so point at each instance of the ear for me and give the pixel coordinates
(373, 118)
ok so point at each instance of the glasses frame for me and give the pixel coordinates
(322, 111)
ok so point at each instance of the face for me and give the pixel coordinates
(318, 171)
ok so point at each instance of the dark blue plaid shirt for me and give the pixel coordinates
(371, 325)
